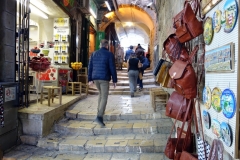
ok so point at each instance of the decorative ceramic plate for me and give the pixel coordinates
(230, 13)
(216, 128)
(226, 134)
(216, 99)
(207, 97)
(228, 103)
(217, 20)
(208, 31)
(206, 119)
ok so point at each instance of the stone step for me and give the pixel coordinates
(121, 143)
(76, 127)
(124, 113)
(125, 74)
(126, 77)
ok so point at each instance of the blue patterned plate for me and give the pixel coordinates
(230, 14)
(206, 119)
(226, 134)
(228, 103)
(216, 128)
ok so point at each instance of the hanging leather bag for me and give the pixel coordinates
(175, 49)
(156, 70)
(163, 72)
(188, 156)
(173, 105)
(186, 24)
(184, 77)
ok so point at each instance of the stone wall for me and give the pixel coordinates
(7, 40)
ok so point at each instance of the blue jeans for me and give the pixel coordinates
(103, 88)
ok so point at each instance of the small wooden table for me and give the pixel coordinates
(51, 93)
(158, 95)
(73, 87)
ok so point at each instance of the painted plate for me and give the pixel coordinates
(216, 128)
(207, 97)
(206, 119)
(217, 20)
(226, 134)
(230, 13)
(208, 31)
(216, 99)
(228, 103)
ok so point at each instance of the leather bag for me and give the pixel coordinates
(171, 146)
(184, 77)
(157, 68)
(188, 156)
(163, 72)
(175, 102)
(175, 49)
(187, 25)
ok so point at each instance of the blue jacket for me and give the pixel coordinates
(102, 66)
(128, 53)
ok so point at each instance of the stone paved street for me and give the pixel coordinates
(133, 130)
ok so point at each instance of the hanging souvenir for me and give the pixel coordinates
(206, 119)
(228, 103)
(216, 128)
(208, 31)
(230, 14)
(216, 99)
(57, 37)
(226, 134)
(217, 20)
(207, 97)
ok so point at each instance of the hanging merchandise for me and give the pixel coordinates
(206, 119)
(216, 128)
(216, 99)
(217, 17)
(228, 103)
(57, 37)
(208, 31)
(57, 49)
(64, 49)
(207, 97)
(64, 38)
(39, 64)
(230, 14)
(226, 134)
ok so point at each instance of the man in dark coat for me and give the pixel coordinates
(100, 71)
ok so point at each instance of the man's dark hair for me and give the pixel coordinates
(104, 43)
(131, 47)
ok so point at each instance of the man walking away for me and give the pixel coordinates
(128, 53)
(119, 55)
(100, 71)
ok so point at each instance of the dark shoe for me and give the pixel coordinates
(132, 94)
(99, 120)
(135, 90)
(140, 89)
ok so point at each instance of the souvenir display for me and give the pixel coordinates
(217, 20)
(216, 128)
(207, 97)
(206, 119)
(208, 31)
(228, 103)
(230, 15)
(226, 134)
(216, 99)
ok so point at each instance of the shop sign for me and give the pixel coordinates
(100, 36)
(66, 4)
(61, 26)
(10, 94)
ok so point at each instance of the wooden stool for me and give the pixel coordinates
(51, 93)
(158, 95)
(74, 87)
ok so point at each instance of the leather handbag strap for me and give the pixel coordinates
(196, 7)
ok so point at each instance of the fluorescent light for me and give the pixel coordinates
(37, 11)
(108, 6)
(92, 13)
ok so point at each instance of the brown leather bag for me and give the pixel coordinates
(188, 156)
(171, 146)
(184, 77)
(163, 72)
(175, 49)
(187, 25)
(175, 102)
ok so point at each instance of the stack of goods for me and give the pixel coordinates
(76, 65)
(39, 63)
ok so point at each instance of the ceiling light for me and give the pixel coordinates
(92, 13)
(37, 11)
(108, 6)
